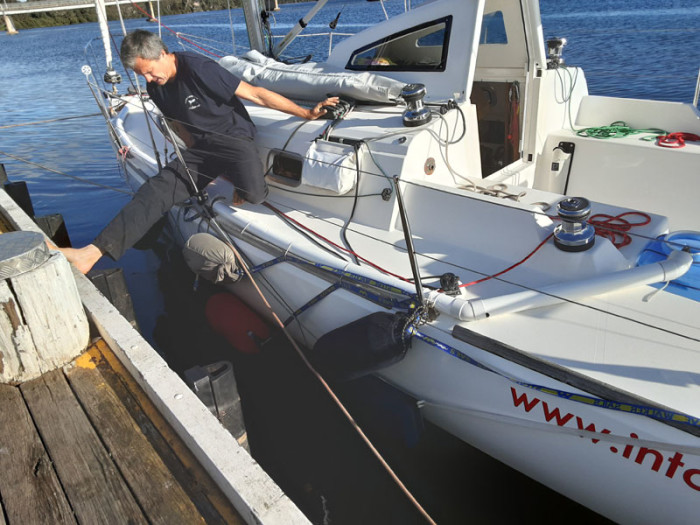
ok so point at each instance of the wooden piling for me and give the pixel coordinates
(42, 322)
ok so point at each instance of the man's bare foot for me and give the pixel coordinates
(82, 258)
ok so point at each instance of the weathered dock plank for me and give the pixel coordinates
(205, 494)
(159, 494)
(92, 483)
(29, 488)
(242, 491)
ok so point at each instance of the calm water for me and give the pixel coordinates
(636, 48)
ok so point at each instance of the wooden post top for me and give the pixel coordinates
(21, 252)
(42, 322)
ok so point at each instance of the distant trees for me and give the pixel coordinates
(80, 16)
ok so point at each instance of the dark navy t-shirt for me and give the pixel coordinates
(202, 96)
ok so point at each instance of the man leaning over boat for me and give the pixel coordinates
(201, 100)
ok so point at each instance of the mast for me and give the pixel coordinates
(104, 30)
(110, 76)
(252, 11)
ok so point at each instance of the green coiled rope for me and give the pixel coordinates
(618, 130)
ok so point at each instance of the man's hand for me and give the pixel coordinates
(319, 109)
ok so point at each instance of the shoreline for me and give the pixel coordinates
(81, 16)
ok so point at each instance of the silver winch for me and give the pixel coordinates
(574, 234)
(555, 47)
(415, 114)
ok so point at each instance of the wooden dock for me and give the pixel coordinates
(85, 444)
(115, 436)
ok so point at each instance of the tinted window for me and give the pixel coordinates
(422, 48)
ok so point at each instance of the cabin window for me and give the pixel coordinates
(420, 48)
(493, 29)
(285, 167)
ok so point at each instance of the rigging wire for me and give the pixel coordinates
(330, 391)
(121, 18)
(230, 23)
(201, 198)
(211, 42)
(73, 177)
(160, 23)
(60, 119)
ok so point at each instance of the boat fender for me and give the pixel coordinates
(211, 258)
(229, 317)
(361, 347)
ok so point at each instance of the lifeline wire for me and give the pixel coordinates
(60, 119)
(20, 159)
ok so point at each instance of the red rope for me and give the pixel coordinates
(611, 227)
(175, 32)
(279, 212)
(510, 267)
(676, 140)
(615, 228)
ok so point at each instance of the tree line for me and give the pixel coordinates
(80, 16)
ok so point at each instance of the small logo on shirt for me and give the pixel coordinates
(192, 102)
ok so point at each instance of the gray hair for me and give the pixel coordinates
(141, 44)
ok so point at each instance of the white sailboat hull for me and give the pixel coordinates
(577, 366)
